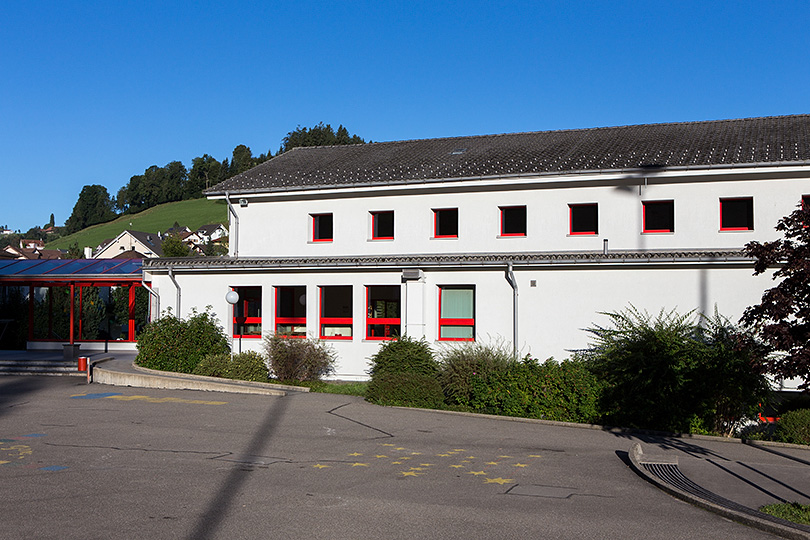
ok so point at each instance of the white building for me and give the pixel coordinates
(523, 237)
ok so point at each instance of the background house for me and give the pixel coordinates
(525, 238)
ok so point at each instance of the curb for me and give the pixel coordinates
(221, 380)
(159, 380)
(755, 519)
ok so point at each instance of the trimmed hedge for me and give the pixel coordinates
(404, 355)
(245, 366)
(174, 344)
(793, 427)
(406, 390)
(297, 359)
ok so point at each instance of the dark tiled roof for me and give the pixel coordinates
(773, 140)
(152, 241)
(470, 259)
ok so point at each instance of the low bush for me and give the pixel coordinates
(174, 344)
(245, 366)
(565, 391)
(793, 427)
(298, 359)
(406, 389)
(467, 362)
(404, 355)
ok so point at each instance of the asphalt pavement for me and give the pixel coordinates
(82, 460)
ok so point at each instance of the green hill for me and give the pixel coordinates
(192, 214)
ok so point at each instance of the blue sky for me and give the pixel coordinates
(96, 92)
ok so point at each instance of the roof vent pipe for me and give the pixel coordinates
(604, 246)
(235, 227)
(510, 278)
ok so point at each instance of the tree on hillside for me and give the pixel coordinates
(204, 173)
(174, 247)
(320, 135)
(94, 206)
(157, 185)
(782, 318)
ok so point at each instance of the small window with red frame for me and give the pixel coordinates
(513, 220)
(336, 312)
(737, 214)
(445, 223)
(322, 228)
(291, 311)
(456, 313)
(658, 216)
(583, 219)
(247, 313)
(382, 225)
(383, 311)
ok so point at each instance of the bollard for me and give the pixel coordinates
(82, 363)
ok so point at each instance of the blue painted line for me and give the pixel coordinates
(32, 435)
(53, 468)
(97, 396)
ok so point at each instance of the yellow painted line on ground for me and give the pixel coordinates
(166, 400)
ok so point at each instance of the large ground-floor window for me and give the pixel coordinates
(383, 311)
(247, 313)
(336, 312)
(457, 313)
(291, 311)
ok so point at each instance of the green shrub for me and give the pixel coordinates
(405, 389)
(249, 366)
(565, 391)
(214, 365)
(794, 427)
(245, 366)
(675, 373)
(404, 355)
(174, 344)
(298, 359)
(463, 363)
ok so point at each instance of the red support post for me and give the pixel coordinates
(131, 328)
(81, 313)
(72, 303)
(31, 312)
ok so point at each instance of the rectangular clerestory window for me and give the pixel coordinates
(658, 216)
(583, 219)
(445, 223)
(513, 220)
(737, 214)
(382, 225)
(322, 227)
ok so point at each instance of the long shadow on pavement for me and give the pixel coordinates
(218, 508)
(14, 388)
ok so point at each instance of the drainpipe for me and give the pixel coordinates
(510, 278)
(157, 299)
(234, 229)
(171, 277)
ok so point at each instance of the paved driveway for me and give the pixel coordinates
(95, 461)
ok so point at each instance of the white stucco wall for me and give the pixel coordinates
(552, 314)
(281, 225)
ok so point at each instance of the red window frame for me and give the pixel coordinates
(455, 322)
(644, 205)
(291, 321)
(505, 209)
(736, 199)
(375, 216)
(316, 227)
(571, 230)
(387, 322)
(242, 306)
(436, 212)
(337, 321)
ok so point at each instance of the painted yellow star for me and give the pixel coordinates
(505, 457)
(3, 462)
(416, 453)
(491, 463)
(466, 461)
(477, 473)
(443, 455)
(359, 464)
(498, 481)
(470, 457)
(386, 444)
(409, 473)
(426, 464)
(399, 448)
(319, 466)
(417, 469)
(396, 463)
(457, 466)
(458, 450)
(379, 456)
(520, 465)
(406, 458)
(535, 455)
(355, 454)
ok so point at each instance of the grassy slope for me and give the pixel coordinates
(192, 214)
